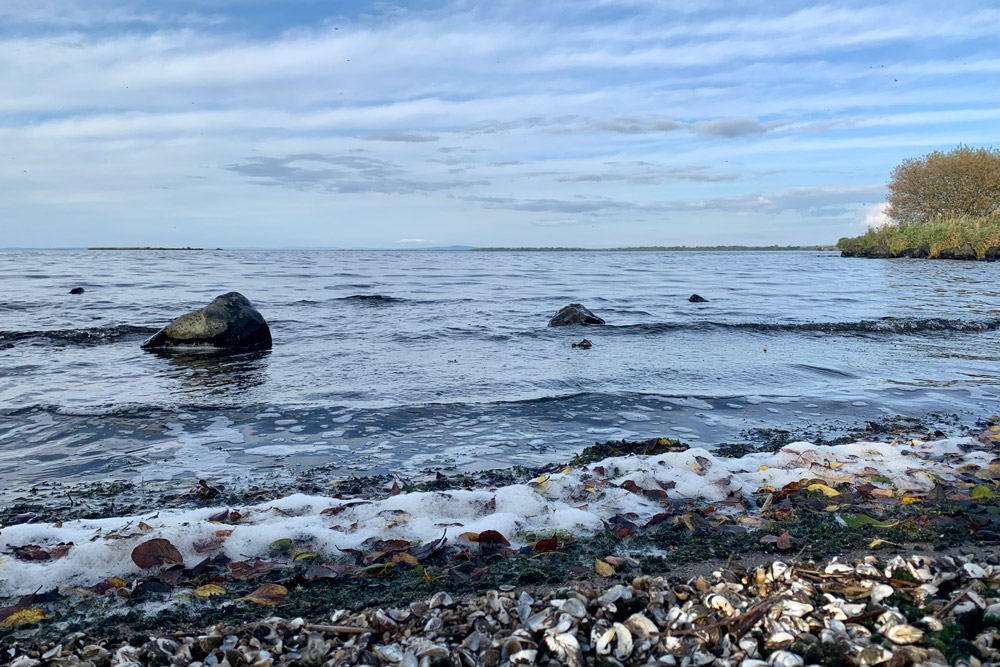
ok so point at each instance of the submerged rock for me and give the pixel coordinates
(574, 313)
(963, 252)
(992, 253)
(230, 321)
(77, 290)
(694, 298)
(848, 253)
(878, 252)
(584, 344)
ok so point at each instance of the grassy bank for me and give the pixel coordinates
(981, 233)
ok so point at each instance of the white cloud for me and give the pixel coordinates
(874, 215)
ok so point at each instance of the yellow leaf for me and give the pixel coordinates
(540, 483)
(268, 595)
(472, 537)
(403, 557)
(145, 527)
(603, 569)
(831, 508)
(567, 471)
(827, 490)
(884, 493)
(116, 582)
(763, 468)
(23, 617)
(208, 591)
(302, 555)
(909, 500)
(835, 464)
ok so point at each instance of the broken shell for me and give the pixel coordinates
(785, 659)
(904, 634)
(566, 648)
(881, 592)
(641, 626)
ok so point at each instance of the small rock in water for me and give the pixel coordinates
(694, 298)
(584, 344)
(574, 313)
(77, 290)
(230, 321)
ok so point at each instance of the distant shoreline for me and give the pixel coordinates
(718, 248)
(142, 248)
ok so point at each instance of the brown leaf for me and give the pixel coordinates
(156, 552)
(268, 595)
(603, 569)
(784, 541)
(492, 537)
(145, 527)
(211, 544)
(31, 552)
(657, 519)
(245, 569)
(631, 486)
(550, 544)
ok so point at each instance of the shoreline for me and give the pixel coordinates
(811, 520)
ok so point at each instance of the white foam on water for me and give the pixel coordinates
(287, 450)
(198, 452)
(565, 501)
(634, 416)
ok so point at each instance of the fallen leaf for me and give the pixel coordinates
(268, 595)
(145, 527)
(245, 569)
(208, 591)
(404, 557)
(23, 617)
(603, 569)
(982, 493)
(492, 537)
(156, 552)
(861, 520)
(784, 541)
(550, 544)
(827, 490)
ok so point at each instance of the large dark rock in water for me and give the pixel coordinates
(77, 290)
(878, 252)
(848, 253)
(963, 252)
(922, 252)
(694, 298)
(229, 322)
(992, 253)
(574, 313)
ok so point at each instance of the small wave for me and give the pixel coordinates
(372, 299)
(888, 325)
(85, 336)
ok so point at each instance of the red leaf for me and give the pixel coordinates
(631, 486)
(550, 544)
(245, 569)
(156, 552)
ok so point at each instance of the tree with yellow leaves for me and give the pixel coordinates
(963, 183)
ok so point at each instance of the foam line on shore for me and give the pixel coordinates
(577, 500)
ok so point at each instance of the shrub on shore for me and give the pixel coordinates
(939, 201)
(981, 233)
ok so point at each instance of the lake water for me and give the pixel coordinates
(421, 361)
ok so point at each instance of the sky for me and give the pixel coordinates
(590, 123)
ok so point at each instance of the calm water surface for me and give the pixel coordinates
(412, 361)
